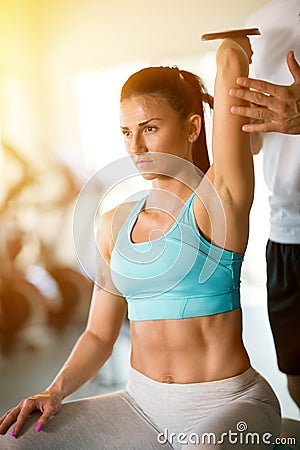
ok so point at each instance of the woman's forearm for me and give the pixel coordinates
(87, 357)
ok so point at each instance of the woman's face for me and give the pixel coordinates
(150, 127)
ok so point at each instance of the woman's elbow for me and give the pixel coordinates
(232, 61)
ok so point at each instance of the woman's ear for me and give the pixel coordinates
(194, 127)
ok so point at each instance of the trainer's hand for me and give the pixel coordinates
(277, 108)
(49, 403)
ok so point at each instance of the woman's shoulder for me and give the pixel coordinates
(117, 215)
(110, 223)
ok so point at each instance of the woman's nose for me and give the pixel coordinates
(136, 145)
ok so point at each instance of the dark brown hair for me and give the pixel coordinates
(185, 92)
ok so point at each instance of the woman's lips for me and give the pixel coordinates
(144, 162)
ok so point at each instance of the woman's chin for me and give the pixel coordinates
(148, 175)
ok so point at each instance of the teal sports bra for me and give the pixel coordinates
(177, 276)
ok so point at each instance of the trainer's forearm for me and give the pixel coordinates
(87, 357)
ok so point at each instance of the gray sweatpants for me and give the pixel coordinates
(237, 412)
(104, 422)
(149, 415)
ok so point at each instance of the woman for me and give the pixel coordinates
(190, 384)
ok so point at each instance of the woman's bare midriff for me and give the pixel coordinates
(190, 350)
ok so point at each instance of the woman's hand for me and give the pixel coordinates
(48, 402)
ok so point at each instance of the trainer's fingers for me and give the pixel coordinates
(256, 98)
(293, 66)
(259, 113)
(259, 127)
(260, 85)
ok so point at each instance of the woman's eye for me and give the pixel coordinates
(126, 133)
(149, 129)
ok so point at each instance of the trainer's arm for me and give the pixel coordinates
(277, 107)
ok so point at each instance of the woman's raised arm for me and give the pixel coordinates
(232, 159)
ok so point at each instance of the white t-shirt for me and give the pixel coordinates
(279, 23)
